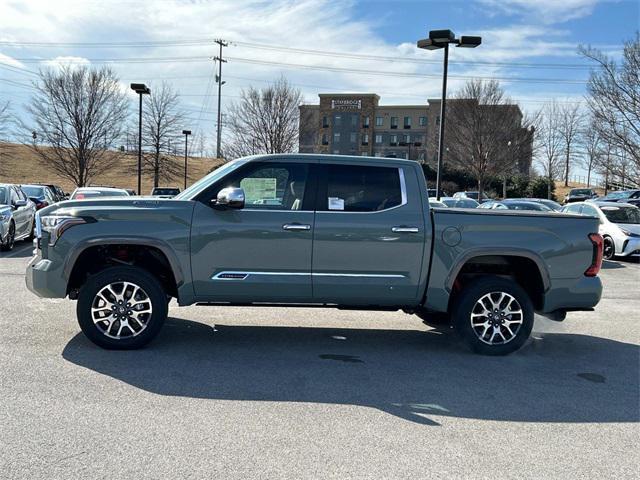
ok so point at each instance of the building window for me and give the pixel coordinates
(336, 152)
(407, 138)
(365, 139)
(336, 137)
(438, 120)
(378, 154)
(393, 140)
(325, 139)
(325, 122)
(406, 155)
(378, 139)
(337, 120)
(363, 154)
(379, 121)
(394, 122)
(365, 123)
(407, 122)
(423, 121)
(352, 137)
(354, 120)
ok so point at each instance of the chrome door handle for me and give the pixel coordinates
(405, 229)
(296, 227)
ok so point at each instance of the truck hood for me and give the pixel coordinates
(107, 206)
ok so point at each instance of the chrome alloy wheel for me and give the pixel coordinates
(121, 310)
(496, 318)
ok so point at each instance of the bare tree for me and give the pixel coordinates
(593, 146)
(614, 100)
(78, 115)
(5, 121)
(264, 121)
(570, 125)
(162, 133)
(550, 143)
(486, 132)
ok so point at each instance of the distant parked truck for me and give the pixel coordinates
(322, 230)
(165, 192)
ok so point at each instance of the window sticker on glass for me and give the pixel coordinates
(336, 203)
(257, 190)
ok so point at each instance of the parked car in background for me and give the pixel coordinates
(580, 195)
(58, 193)
(41, 195)
(512, 204)
(131, 192)
(433, 194)
(452, 202)
(549, 203)
(619, 226)
(433, 202)
(165, 192)
(98, 192)
(473, 195)
(17, 216)
(621, 196)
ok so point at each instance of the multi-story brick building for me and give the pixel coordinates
(355, 124)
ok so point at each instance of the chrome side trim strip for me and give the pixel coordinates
(234, 275)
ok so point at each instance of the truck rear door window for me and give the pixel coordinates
(356, 188)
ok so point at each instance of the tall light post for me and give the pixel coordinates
(186, 134)
(441, 39)
(140, 89)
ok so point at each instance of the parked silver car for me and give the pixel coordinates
(17, 216)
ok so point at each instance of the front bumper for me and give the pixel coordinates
(572, 294)
(630, 247)
(45, 278)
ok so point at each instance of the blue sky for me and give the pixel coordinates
(518, 36)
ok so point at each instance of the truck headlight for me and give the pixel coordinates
(4, 217)
(56, 225)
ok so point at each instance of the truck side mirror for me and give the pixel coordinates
(230, 197)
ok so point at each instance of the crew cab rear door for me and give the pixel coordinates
(369, 234)
(262, 252)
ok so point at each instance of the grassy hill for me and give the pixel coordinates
(18, 164)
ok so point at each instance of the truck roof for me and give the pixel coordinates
(329, 157)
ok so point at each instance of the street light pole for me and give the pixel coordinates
(441, 39)
(186, 134)
(443, 110)
(140, 89)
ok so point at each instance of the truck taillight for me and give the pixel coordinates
(596, 261)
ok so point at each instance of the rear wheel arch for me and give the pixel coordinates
(523, 267)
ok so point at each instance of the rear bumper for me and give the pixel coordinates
(571, 294)
(45, 279)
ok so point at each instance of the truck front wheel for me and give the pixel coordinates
(121, 308)
(494, 316)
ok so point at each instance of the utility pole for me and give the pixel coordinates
(219, 81)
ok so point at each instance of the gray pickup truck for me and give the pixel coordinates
(314, 230)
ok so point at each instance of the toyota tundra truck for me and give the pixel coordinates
(314, 230)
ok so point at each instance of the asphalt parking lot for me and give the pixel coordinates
(315, 393)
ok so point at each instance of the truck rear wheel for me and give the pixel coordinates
(121, 308)
(494, 316)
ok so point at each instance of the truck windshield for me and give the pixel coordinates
(213, 177)
(622, 214)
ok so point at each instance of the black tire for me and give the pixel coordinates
(467, 302)
(7, 245)
(32, 233)
(434, 319)
(608, 249)
(149, 326)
